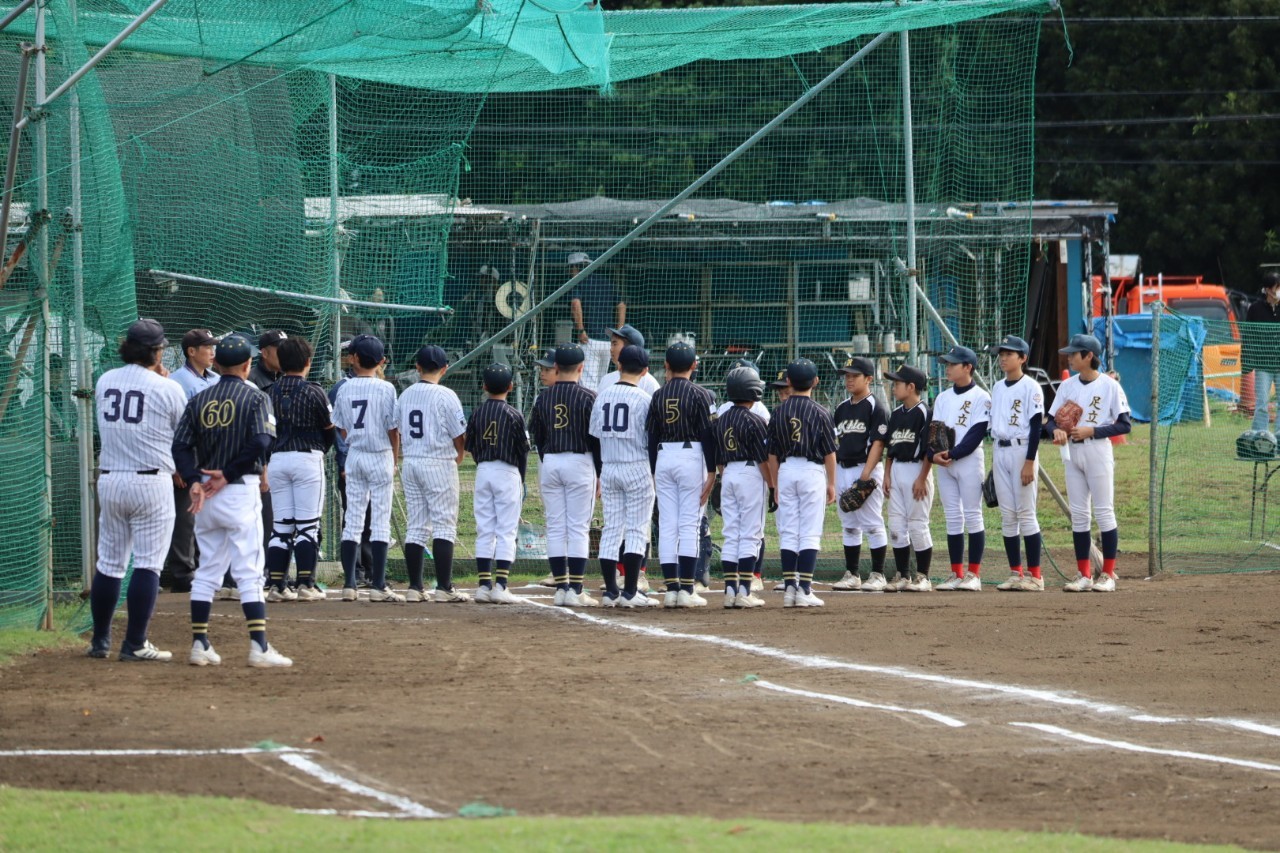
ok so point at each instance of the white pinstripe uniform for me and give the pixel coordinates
(138, 412)
(365, 407)
(1012, 408)
(960, 483)
(430, 418)
(1090, 472)
(626, 485)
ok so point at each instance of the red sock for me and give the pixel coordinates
(1017, 570)
(1109, 566)
(975, 568)
(1085, 568)
(957, 569)
(1035, 571)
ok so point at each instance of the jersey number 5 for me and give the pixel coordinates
(671, 411)
(123, 405)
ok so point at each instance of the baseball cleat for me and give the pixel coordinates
(1030, 584)
(898, 584)
(670, 597)
(416, 596)
(971, 583)
(789, 596)
(228, 593)
(757, 584)
(99, 648)
(730, 596)
(920, 584)
(310, 593)
(202, 655)
(558, 598)
(1106, 583)
(386, 594)
(699, 587)
(808, 599)
(284, 594)
(635, 602)
(483, 595)
(502, 595)
(689, 599)
(548, 581)
(875, 583)
(781, 586)
(1010, 584)
(608, 600)
(745, 602)
(268, 659)
(698, 600)
(580, 599)
(450, 596)
(349, 593)
(951, 583)
(146, 651)
(850, 582)
(642, 585)
(1080, 584)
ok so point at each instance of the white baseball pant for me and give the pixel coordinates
(867, 519)
(1017, 502)
(802, 504)
(742, 497)
(568, 484)
(678, 479)
(626, 490)
(297, 496)
(1091, 481)
(960, 489)
(370, 480)
(908, 517)
(496, 502)
(135, 517)
(229, 534)
(431, 496)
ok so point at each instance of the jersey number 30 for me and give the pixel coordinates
(123, 405)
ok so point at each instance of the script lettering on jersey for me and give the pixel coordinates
(1094, 405)
(218, 414)
(965, 408)
(903, 435)
(1016, 415)
(850, 428)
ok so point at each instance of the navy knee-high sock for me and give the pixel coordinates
(687, 566)
(1080, 541)
(631, 564)
(577, 573)
(729, 571)
(789, 560)
(1012, 550)
(442, 556)
(255, 615)
(414, 557)
(484, 572)
(671, 576)
(379, 567)
(902, 561)
(349, 549)
(853, 559)
(877, 559)
(501, 572)
(977, 544)
(141, 602)
(1033, 554)
(806, 562)
(560, 571)
(277, 566)
(104, 597)
(1110, 543)
(746, 571)
(923, 559)
(200, 611)
(609, 571)
(304, 554)
(955, 550)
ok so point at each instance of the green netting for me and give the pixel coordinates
(239, 158)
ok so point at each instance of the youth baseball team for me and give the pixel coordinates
(632, 443)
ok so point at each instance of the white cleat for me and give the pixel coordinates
(1012, 583)
(580, 599)
(789, 596)
(951, 583)
(849, 583)
(1106, 583)
(450, 596)
(1080, 584)
(286, 594)
(608, 600)
(269, 659)
(730, 598)
(1030, 584)
(201, 656)
(689, 599)
(642, 585)
(310, 593)
(483, 595)
(502, 595)
(808, 599)
(875, 583)
(921, 584)
(698, 600)
(349, 593)
(386, 594)
(898, 584)
(228, 593)
(670, 598)
(416, 596)
(548, 581)
(971, 583)
(558, 599)
(639, 601)
(757, 584)
(743, 602)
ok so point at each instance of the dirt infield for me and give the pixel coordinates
(1157, 709)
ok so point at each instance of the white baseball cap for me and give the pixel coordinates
(579, 259)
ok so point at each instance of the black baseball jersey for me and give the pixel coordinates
(908, 433)
(304, 419)
(263, 378)
(858, 426)
(680, 411)
(800, 427)
(223, 429)
(740, 436)
(561, 420)
(495, 433)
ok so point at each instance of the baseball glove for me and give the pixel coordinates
(941, 437)
(1068, 416)
(856, 495)
(989, 490)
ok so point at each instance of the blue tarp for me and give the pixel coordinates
(1181, 341)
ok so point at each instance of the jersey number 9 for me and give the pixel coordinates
(416, 429)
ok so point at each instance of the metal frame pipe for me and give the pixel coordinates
(11, 158)
(289, 294)
(909, 190)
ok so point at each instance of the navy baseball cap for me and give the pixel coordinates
(368, 347)
(1083, 343)
(233, 350)
(959, 355)
(1012, 343)
(497, 377)
(548, 359)
(147, 332)
(912, 375)
(781, 381)
(628, 333)
(271, 338)
(633, 359)
(681, 355)
(801, 370)
(858, 366)
(569, 355)
(431, 357)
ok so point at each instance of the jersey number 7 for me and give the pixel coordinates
(359, 407)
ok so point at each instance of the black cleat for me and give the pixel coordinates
(99, 648)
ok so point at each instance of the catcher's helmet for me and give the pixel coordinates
(742, 384)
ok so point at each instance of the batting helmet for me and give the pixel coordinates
(742, 384)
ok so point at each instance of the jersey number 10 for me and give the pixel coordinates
(618, 420)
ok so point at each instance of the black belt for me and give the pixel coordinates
(301, 450)
(853, 464)
(148, 472)
(575, 452)
(1084, 440)
(1009, 442)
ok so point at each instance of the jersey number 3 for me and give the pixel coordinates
(562, 416)
(123, 405)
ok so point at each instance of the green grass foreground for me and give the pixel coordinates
(45, 820)
(20, 642)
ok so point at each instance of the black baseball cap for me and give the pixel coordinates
(781, 381)
(147, 332)
(909, 374)
(271, 338)
(569, 355)
(959, 355)
(368, 347)
(1012, 343)
(1083, 343)
(633, 359)
(197, 338)
(628, 333)
(748, 363)
(431, 357)
(858, 366)
(681, 355)
(801, 371)
(497, 378)
(548, 359)
(233, 350)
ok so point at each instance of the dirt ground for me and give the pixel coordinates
(538, 710)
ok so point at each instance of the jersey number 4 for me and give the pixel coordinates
(618, 420)
(123, 405)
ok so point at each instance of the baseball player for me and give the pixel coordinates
(138, 411)
(304, 432)
(802, 444)
(1090, 466)
(570, 460)
(1017, 415)
(966, 409)
(682, 451)
(547, 368)
(220, 447)
(497, 442)
(267, 371)
(760, 410)
(194, 376)
(861, 430)
(618, 421)
(746, 475)
(781, 386)
(625, 336)
(908, 481)
(364, 409)
(364, 554)
(433, 440)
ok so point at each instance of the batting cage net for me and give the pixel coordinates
(436, 172)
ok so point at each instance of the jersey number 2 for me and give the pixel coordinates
(123, 405)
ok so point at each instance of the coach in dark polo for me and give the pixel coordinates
(1261, 338)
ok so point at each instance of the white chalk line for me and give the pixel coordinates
(1148, 750)
(403, 805)
(181, 753)
(859, 703)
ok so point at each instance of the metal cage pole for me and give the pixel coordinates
(909, 179)
(41, 267)
(335, 332)
(1153, 538)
